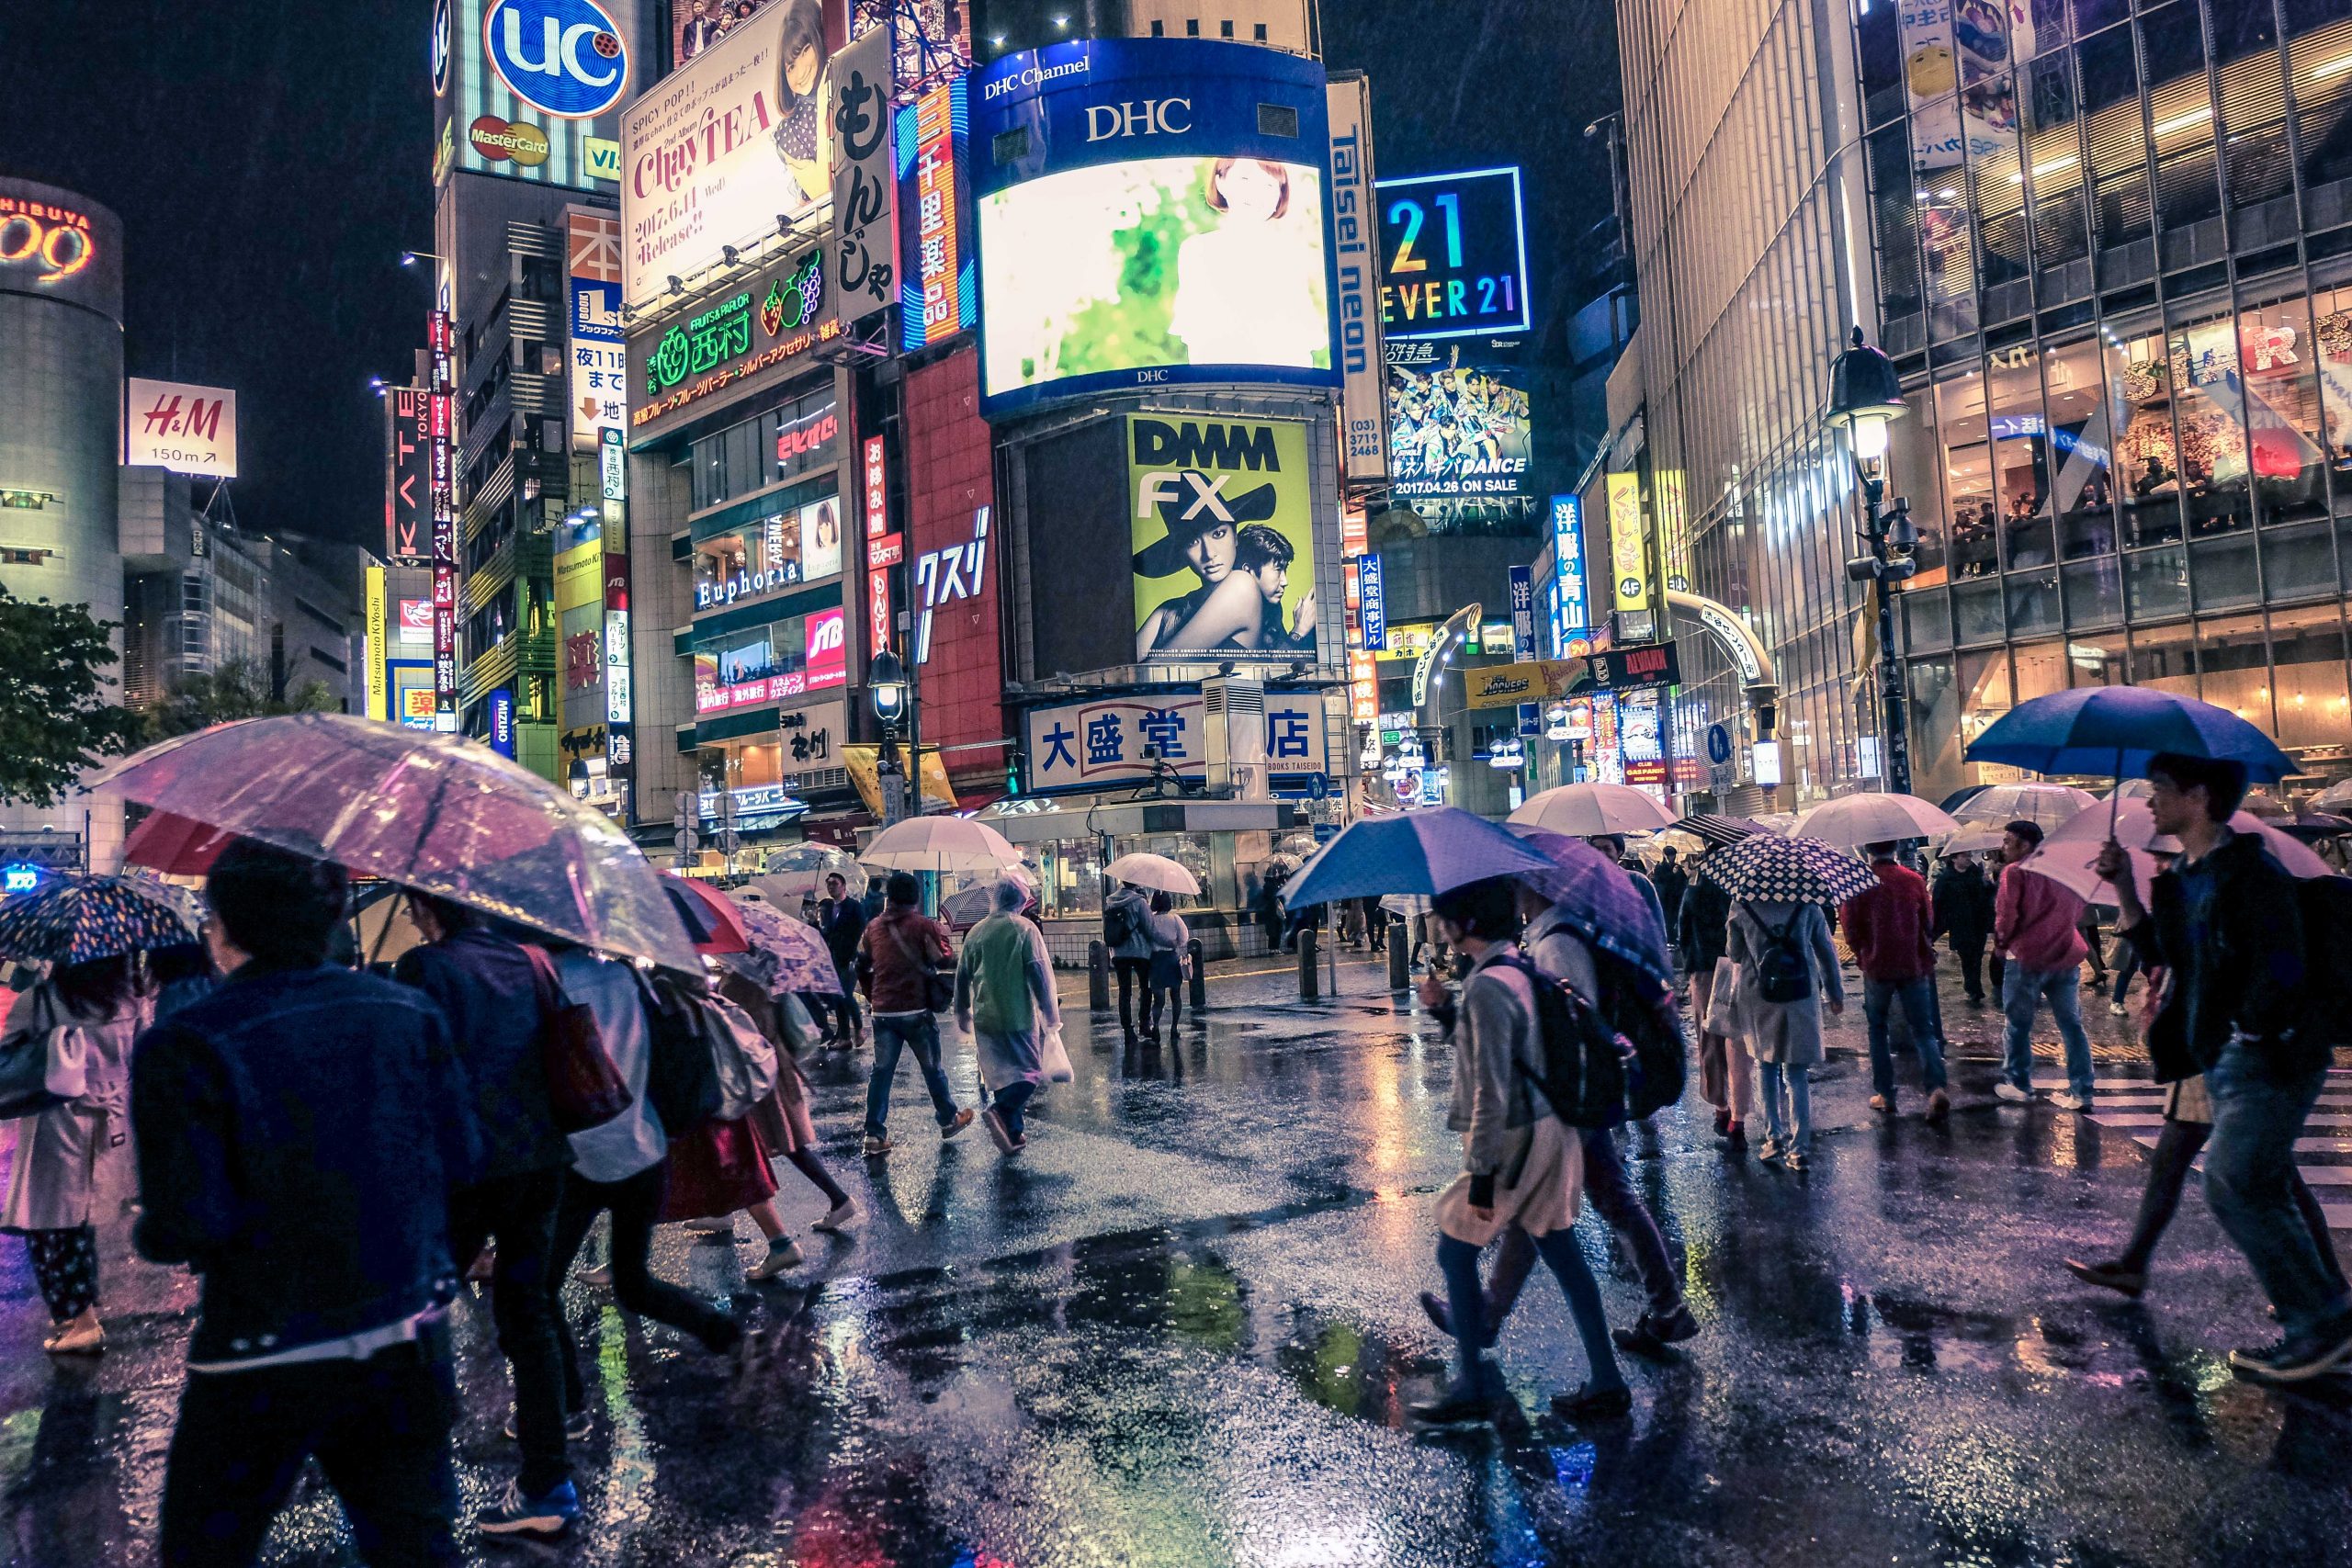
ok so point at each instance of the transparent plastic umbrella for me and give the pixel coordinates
(430, 811)
(1584, 810)
(1853, 821)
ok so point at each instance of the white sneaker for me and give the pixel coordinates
(839, 1217)
(2067, 1099)
(602, 1274)
(2119, 1010)
(1770, 1149)
(2006, 1090)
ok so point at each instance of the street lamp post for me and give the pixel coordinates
(886, 686)
(1864, 394)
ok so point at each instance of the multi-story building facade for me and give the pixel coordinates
(2104, 245)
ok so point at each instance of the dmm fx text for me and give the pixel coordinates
(1177, 455)
(1153, 117)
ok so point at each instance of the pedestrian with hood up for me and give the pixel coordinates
(1170, 957)
(2036, 926)
(1127, 931)
(1785, 1034)
(1005, 1000)
(1523, 1166)
(1887, 928)
(303, 1134)
(903, 949)
(2226, 921)
(485, 986)
(72, 1165)
(1962, 901)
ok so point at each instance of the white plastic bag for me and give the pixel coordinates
(1052, 1056)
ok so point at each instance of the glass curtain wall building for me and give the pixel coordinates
(1750, 233)
(2114, 248)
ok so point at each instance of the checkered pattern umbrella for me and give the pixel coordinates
(1770, 870)
(1717, 830)
(76, 920)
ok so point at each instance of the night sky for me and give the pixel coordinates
(270, 162)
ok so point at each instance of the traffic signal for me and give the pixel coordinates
(1015, 765)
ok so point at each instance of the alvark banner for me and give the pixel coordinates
(1551, 679)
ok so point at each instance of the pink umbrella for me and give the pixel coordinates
(430, 811)
(2066, 855)
(794, 955)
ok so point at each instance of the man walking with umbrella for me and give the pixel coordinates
(2226, 921)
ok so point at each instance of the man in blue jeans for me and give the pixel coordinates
(899, 950)
(2226, 922)
(1887, 928)
(2035, 923)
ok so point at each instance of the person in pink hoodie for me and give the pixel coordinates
(2034, 926)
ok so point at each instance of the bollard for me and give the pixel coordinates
(1200, 976)
(1098, 976)
(1310, 984)
(1400, 954)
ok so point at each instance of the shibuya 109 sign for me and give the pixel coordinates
(760, 332)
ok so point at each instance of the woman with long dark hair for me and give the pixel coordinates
(74, 1159)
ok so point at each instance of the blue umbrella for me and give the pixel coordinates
(2116, 730)
(1429, 852)
(1599, 902)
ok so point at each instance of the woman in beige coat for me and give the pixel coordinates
(73, 1161)
(1522, 1165)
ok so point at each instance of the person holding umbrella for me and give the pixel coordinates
(72, 1159)
(2225, 920)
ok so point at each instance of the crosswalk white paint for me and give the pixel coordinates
(2136, 1107)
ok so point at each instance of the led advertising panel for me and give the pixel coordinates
(1462, 441)
(938, 276)
(532, 89)
(726, 146)
(1150, 212)
(1223, 526)
(1455, 253)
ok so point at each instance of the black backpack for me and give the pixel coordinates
(1639, 1008)
(682, 1068)
(1783, 970)
(1119, 924)
(1584, 1069)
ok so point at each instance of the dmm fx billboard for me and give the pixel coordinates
(1151, 212)
(1222, 524)
(1550, 679)
(532, 89)
(1088, 745)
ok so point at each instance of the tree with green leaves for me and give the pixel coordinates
(55, 720)
(238, 689)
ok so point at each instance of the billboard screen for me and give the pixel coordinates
(728, 145)
(1177, 187)
(190, 430)
(532, 89)
(1222, 522)
(1461, 438)
(1455, 253)
(57, 245)
(937, 278)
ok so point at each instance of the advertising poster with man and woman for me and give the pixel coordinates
(1223, 537)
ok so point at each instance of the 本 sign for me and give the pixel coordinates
(1081, 745)
(1455, 255)
(190, 430)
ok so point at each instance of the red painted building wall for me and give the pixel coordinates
(954, 567)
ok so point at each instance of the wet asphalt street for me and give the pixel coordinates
(1181, 1330)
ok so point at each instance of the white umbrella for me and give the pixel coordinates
(940, 843)
(1157, 871)
(1973, 837)
(1583, 810)
(2336, 796)
(2046, 804)
(2066, 855)
(1853, 821)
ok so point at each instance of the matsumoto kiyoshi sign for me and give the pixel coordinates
(564, 58)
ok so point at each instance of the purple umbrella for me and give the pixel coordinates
(1598, 898)
(793, 957)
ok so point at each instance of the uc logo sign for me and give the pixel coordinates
(564, 58)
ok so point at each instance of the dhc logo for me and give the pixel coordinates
(564, 58)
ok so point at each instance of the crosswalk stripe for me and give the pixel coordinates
(2129, 1105)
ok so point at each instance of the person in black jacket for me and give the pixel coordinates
(301, 1132)
(1672, 882)
(840, 921)
(1701, 938)
(1963, 900)
(2225, 922)
(483, 982)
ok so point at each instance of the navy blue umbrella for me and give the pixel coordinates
(2116, 730)
(1429, 852)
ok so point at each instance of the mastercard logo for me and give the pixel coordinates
(497, 139)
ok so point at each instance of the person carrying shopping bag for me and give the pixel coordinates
(1005, 1001)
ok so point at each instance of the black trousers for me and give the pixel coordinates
(635, 1205)
(518, 1214)
(1134, 974)
(379, 1429)
(1971, 965)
